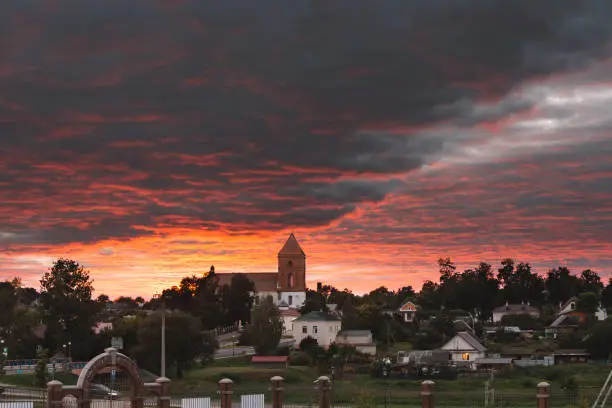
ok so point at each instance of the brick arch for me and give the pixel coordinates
(56, 391)
(110, 358)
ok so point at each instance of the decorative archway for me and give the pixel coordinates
(111, 358)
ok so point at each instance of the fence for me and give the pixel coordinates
(323, 394)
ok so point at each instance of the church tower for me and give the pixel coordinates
(292, 272)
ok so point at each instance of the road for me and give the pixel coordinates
(228, 352)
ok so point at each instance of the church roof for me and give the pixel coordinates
(264, 281)
(291, 247)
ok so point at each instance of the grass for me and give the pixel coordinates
(516, 387)
(28, 380)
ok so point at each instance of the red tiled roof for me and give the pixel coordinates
(264, 281)
(269, 359)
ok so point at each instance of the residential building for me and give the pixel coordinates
(288, 315)
(321, 326)
(362, 340)
(465, 349)
(288, 284)
(407, 311)
(569, 318)
(513, 310)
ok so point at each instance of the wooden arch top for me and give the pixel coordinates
(110, 358)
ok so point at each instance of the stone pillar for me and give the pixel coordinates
(543, 395)
(427, 394)
(324, 388)
(225, 389)
(277, 391)
(54, 394)
(164, 392)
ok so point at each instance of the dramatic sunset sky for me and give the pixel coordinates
(149, 139)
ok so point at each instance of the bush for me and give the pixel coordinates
(283, 351)
(308, 343)
(300, 359)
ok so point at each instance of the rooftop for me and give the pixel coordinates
(291, 247)
(317, 317)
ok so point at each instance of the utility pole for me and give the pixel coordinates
(163, 339)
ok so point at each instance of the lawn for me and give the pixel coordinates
(516, 388)
(28, 380)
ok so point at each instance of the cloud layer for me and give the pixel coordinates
(144, 136)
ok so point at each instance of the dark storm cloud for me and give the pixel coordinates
(250, 115)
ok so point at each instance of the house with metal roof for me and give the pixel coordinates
(362, 340)
(465, 349)
(321, 326)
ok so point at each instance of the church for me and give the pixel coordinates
(287, 286)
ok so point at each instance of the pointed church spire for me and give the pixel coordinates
(291, 247)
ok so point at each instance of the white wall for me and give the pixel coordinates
(297, 299)
(325, 333)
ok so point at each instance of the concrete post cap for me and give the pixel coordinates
(428, 382)
(226, 381)
(323, 378)
(277, 378)
(543, 384)
(54, 383)
(162, 380)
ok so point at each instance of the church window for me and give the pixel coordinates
(304, 329)
(290, 280)
(290, 264)
(290, 300)
(315, 329)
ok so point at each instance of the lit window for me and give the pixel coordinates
(465, 356)
(315, 329)
(304, 329)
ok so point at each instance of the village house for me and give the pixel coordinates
(513, 310)
(465, 349)
(321, 326)
(407, 311)
(362, 340)
(569, 318)
(287, 285)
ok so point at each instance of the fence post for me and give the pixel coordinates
(543, 395)
(277, 391)
(427, 395)
(324, 387)
(164, 392)
(54, 394)
(225, 388)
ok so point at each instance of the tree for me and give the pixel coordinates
(589, 281)
(308, 342)
(184, 341)
(237, 299)
(69, 311)
(606, 294)
(598, 342)
(587, 302)
(561, 285)
(315, 302)
(8, 302)
(350, 316)
(41, 372)
(429, 296)
(266, 327)
(103, 299)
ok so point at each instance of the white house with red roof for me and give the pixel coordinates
(288, 284)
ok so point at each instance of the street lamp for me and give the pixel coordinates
(163, 335)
